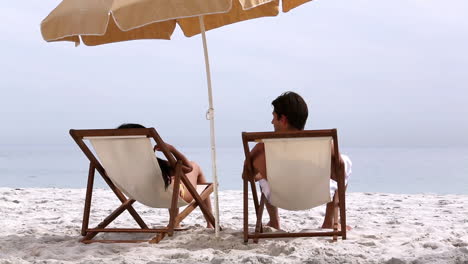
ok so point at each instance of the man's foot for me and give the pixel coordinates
(270, 229)
(209, 225)
(348, 228)
(274, 225)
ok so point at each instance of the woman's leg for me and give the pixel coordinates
(195, 177)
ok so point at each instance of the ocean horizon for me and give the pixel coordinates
(386, 170)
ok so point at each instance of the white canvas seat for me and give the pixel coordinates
(298, 171)
(126, 161)
(131, 164)
(299, 166)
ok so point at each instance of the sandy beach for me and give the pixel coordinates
(43, 226)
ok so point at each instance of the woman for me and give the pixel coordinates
(190, 168)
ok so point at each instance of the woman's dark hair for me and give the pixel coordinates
(291, 105)
(163, 164)
(130, 125)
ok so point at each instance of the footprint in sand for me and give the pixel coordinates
(367, 243)
(395, 261)
(393, 222)
(460, 244)
(278, 249)
(444, 202)
(432, 245)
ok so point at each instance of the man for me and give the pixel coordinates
(289, 114)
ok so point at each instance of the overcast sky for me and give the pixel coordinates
(385, 73)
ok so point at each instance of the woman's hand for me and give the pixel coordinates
(168, 146)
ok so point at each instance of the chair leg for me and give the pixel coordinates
(209, 216)
(342, 207)
(122, 199)
(246, 211)
(193, 205)
(258, 226)
(89, 194)
(175, 199)
(343, 218)
(109, 219)
(247, 176)
(254, 195)
(171, 225)
(179, 217)
(156, 239)
(335, 216)
(126, 205)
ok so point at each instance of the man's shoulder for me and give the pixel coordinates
(259, 147)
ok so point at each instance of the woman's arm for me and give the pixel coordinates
(186, 164)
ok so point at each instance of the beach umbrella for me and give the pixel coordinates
(96, 22)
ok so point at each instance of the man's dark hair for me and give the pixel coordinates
(291, 105)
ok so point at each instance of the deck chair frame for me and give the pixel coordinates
(174, 218)
(248, 178)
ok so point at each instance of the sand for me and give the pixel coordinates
(43, 226)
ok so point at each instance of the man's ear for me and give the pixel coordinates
(284, 120)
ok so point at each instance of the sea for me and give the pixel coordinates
(383, 170)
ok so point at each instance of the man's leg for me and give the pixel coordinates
(329, 214)
(274, 216)
(329, 211)
(259, 163)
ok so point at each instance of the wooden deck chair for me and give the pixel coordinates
(127, 163)
(299, 168)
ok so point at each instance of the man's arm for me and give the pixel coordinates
(341, 163)
(257, 155)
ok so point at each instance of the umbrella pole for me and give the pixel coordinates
(210, 116)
